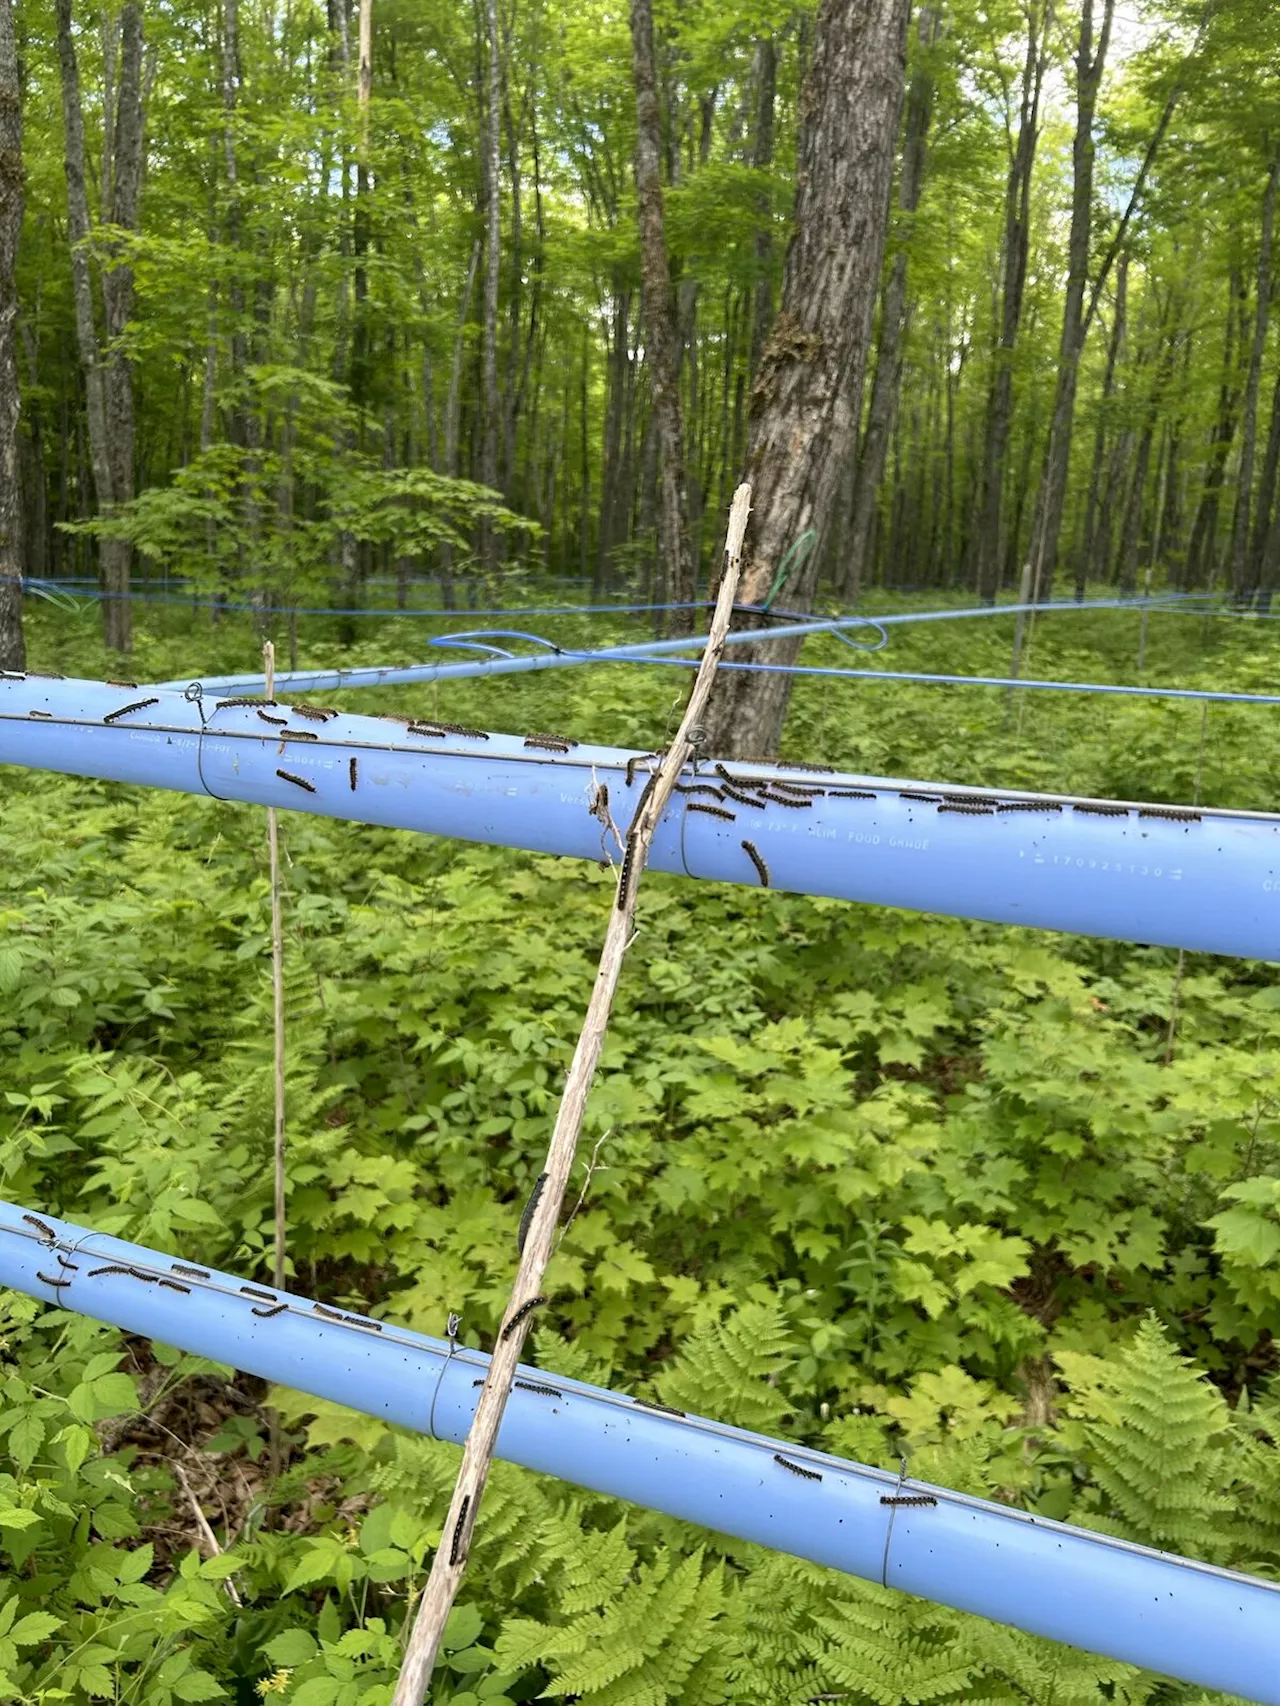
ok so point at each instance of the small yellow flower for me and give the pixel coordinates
(274, 1684)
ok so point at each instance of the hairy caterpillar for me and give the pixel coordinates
(174, 1285)
(279, 722)
(298, 781)
(57, 1284)
(252, 1291)
(796, 1468)
(138, 705)
(458, 1527)
(969, 811)
(45, 716)
(553, 743)
(222, 704)
(327, 1313)
(359, 1321)
(539, 1388)
(1103, 811)
(712, 811)
(700, 788)
(785, 800)
(45, 675)
(530, 1209)
(651, 1404)
(64, 1263)
(314, 713)
(41, 1228)
(816, 769)
(111, 1268)
(794, 787)
(425, 729)
(851, 794)
(453, 729)
(728, 792)
(762, 870)
(524, 1310)
(928, 799)
(624, 880)
(191, 1273)
(353, 770)
(266, 1314)
(636, 759)
(1175, 814)
(117, 683)
(1028, 806)
(297, 734)
(908, 1499)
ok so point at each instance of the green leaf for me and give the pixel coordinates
(291, 1648)
(35, 1626)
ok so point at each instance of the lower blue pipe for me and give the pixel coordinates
(1202, 880)
(1184, 1619)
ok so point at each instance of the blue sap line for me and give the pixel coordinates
(1208, 1626)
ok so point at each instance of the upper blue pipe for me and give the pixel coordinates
(1204, 1625)
(1208, 880)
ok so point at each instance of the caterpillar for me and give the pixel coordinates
(624, 880)
(1175, 814)
(45, 675)
(816, 769)
(730, 793)
(969, 811)
(40, 1226)
(553, 743)
(539, 1388)
(794, 787)
(636, 759)
(530, 1209)
(851, 794)
(359, 1321)
(57, 1284)
(427, 729)
(326, 1312)
(600, 804)
(298, 781)
(223, 704)
(458, 1527)
(174, 1285)
(279, 722)
(479, 1382)
(796, 1468)
(191, 1273)
(712, 811)
(700, 788)
(138, 705)
(122, 684)
(455, 729)
(297, 734)
(353, 770)
(908, 1499)
(1028, 806)
(140, 1274)
(314, 713)
(524, 1310)
(111, 1268)
(784, 800)
(64, 1263)
(762, 870)
(651, 1404)
(908, 794)
(45, 716)
(266, 1314)
(252, 1291)
(1103, 811)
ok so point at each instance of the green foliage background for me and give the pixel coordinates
(873, 1181)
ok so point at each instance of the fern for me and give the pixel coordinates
(1159, 1457)
(730, 1369)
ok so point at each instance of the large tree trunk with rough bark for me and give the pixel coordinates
(12, 650)
(855, 542)
(807, 395)
(108, 377)
(662, 342)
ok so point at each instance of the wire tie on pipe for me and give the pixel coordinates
(892, 1502)
(451, 1330)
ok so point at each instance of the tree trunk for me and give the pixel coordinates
(766, 70)
(1249, 416)
(1200, 552)
(662, 352)
(1017, 235)
(855, 541)
(12, 647)
(807, 396)
(490, 402)
(1046, 526)
(451, 411)
(108, 399)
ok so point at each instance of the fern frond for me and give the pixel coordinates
(728, 1368)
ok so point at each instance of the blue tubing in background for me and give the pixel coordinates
(1204, 880)
(1203, 1625)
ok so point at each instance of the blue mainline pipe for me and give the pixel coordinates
(1208, 1626)
(1206, 880)
(555, 657)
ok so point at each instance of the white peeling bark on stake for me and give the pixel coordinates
(477, 1456)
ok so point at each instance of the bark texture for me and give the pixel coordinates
(662, 352)
(12, 649)
(807, 395)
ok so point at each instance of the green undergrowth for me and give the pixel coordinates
(874, 1182)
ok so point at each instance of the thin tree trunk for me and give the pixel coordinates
(766, 78)
(490, 402)
(451, 411)
(855, 540)
(1249, 415)
(662, 356)
(1017, 235)
(13, 653)
(807, 395)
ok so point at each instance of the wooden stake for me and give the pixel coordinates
(277, 992)
(477, 1456)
